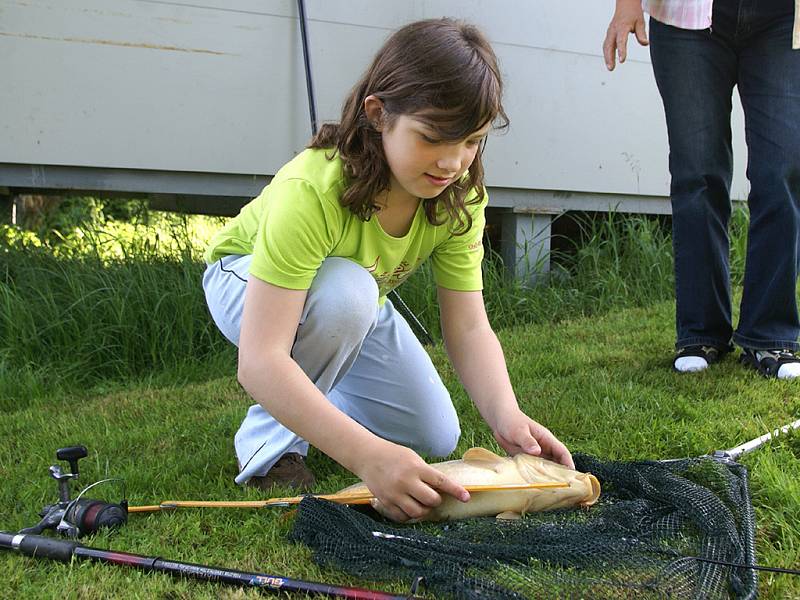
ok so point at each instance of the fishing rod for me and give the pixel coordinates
(359, 498)
(415, 324)
(730, 455)
(73, 518)
(39, 546)
(312, 105)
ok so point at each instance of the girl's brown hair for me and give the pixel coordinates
(443, 73)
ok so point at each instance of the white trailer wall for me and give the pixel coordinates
(218, 87)
(205, 98)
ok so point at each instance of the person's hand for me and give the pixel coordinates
(628, 18)
(405, 486)
(516, 432)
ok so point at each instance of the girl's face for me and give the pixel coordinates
(421, 164)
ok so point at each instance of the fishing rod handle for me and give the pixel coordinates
(39, 545)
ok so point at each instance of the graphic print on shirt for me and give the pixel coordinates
(388, 280)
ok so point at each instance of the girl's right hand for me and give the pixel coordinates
(405, 486)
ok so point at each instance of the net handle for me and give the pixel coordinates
(742, 449)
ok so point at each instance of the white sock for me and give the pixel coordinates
(789, 371)
(690, 364)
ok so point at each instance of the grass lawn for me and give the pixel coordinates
(603, 384)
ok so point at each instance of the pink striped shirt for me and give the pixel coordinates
(696, 14)
(686, 14)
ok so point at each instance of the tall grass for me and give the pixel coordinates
(90, 319)
(616, 260)
(102, 300)
(105, 300)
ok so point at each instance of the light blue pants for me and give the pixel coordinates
(363, 357)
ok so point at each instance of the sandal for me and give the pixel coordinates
(770, 363)
(703, 355)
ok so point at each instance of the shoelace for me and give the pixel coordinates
(775, 354)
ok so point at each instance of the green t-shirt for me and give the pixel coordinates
(297, 221)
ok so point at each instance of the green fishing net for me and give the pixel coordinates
(660, 530)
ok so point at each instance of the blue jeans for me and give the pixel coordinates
(748, 45)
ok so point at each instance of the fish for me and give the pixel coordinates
(479, 466)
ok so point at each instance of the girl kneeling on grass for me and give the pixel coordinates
(298, 281)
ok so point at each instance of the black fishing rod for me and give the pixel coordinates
(73, 518)
(39, 546)
(415, 324)
(312, 104)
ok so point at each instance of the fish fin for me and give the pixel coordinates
(356, 488)
(509, 515)
(481, 457)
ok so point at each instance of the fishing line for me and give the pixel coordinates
(744, 566)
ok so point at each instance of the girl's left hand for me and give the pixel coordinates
(516, 432)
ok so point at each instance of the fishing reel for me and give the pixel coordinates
(81, 516)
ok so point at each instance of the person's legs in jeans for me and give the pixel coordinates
(769, 85)
(695, 72)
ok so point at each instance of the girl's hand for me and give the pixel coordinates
(405, 486)
(516, 432)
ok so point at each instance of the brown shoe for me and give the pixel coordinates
(290, 471)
